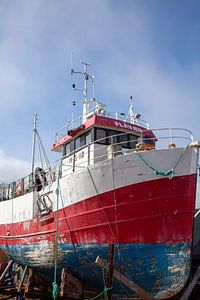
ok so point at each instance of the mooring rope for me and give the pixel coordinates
(56, 288)
(104, 292)
(168, 173)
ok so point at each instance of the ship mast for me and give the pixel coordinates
(87, 76)
(36, 139)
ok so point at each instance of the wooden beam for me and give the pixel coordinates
(186, 294)
(9, 265)
(70, 287)
(22, 279)
(127, 282)
(109, 277)
(29, 282)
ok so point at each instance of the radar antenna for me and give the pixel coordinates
(87, 102)
(87, 77)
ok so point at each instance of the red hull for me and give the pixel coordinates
(158, 211)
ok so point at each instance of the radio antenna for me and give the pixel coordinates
(87, 77)
(71, 60)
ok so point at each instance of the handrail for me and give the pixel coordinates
(24, 185)
(153, 136)
(117, 116)
(140, 133)
(61, 132)
(141, 136)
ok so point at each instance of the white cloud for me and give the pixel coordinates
(11, 168)
(165, 96)
(15, 88)
(119, 41)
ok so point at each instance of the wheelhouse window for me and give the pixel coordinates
(100, 135)
(88, 137)
(132, 141)
(113, 136)
(68, 148)
(123, 139)
(83, 140)
(80, 141)
(110, 136)
(77, 142)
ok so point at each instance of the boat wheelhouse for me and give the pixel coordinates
(80, 146)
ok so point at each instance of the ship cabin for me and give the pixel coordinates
(98, 136)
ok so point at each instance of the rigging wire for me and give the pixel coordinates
(40, 152)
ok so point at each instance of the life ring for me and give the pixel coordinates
(40, 178)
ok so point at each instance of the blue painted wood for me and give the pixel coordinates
(160, 269)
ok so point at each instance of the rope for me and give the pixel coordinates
(111, 230)
(56, 288)
(104, 292)
(115, 201)
(68, 226)
(168, 173)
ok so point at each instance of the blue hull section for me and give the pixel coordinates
(160, 269)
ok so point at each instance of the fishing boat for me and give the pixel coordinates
(119, 185)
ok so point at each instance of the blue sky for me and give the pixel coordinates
(146, 48)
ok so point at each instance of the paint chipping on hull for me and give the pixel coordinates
(158, 268)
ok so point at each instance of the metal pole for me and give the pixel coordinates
(34, 140)
(85, 80)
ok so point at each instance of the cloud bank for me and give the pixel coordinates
(147, 49)
(12, 169)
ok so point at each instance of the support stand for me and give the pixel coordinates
(127, 282)
(109, 277)
(71, 287)
(186, 294)
(7, 268)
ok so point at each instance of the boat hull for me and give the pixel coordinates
(148, 217)
(160, 269)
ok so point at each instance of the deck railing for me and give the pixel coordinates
(106, 148)
(101, 150)
(75, 123)
(25, 185)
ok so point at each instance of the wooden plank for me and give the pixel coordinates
(29, 283)
(71, 286)
(127, 282)
(37, 281)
